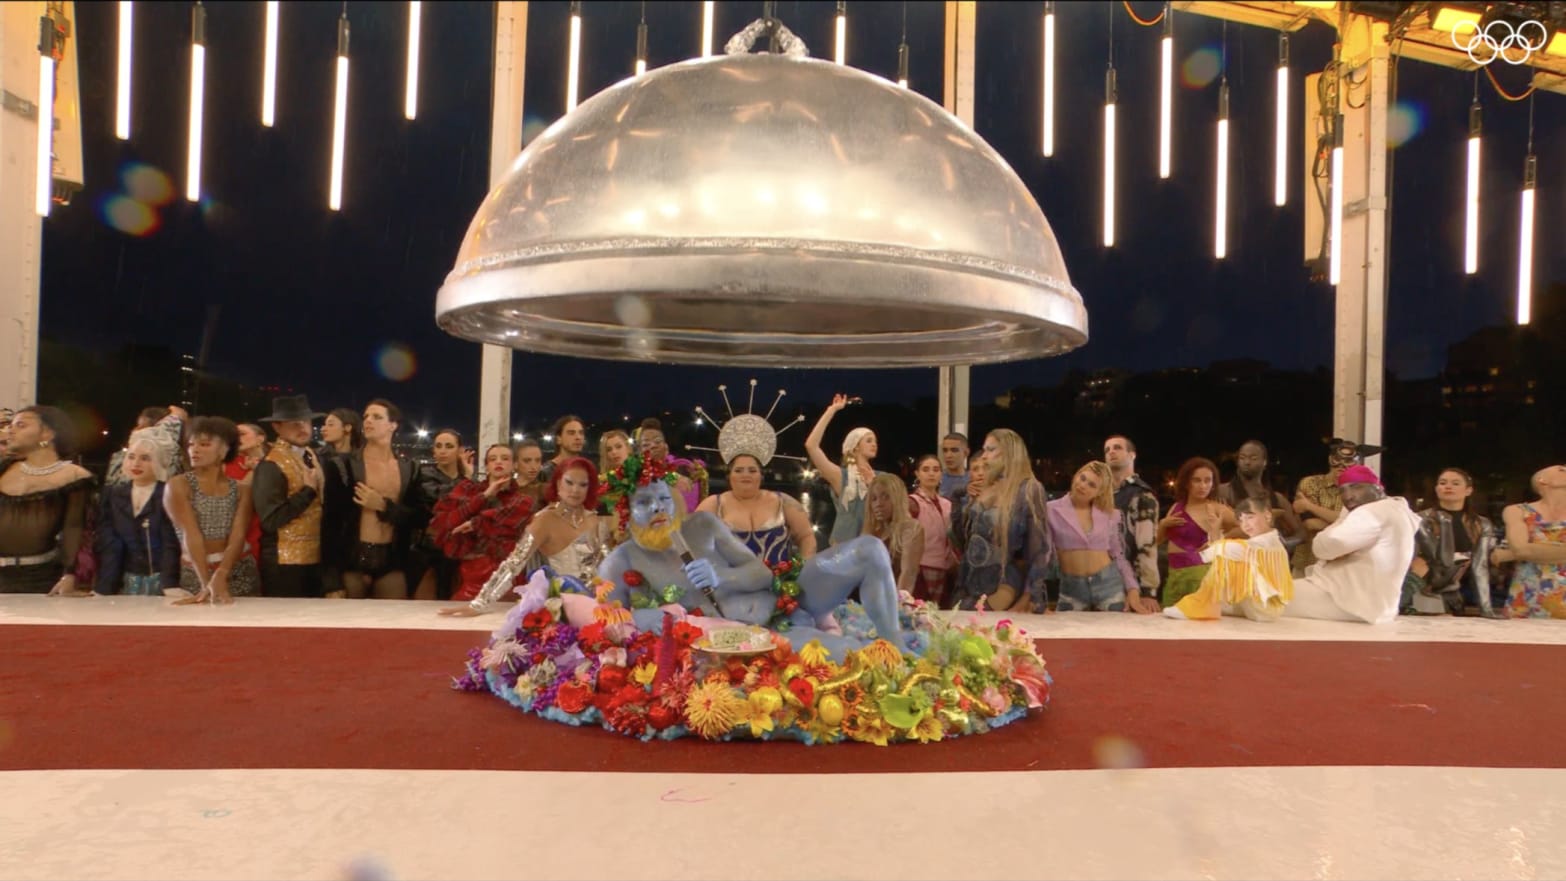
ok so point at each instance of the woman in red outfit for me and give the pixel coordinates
(252, 449)
(478, 524)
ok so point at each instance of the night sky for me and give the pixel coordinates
(284, 292)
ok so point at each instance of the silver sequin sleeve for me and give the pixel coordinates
(500, 583)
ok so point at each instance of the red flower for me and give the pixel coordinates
(629, 720)
(611, 678)
(633, 578)
(593, 637)
(632, 695)
(685, 634)
(537, 620)
(573, 697)
(661, 716)
(803, 690)
(737, 673)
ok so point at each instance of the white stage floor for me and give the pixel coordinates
(1298, 822)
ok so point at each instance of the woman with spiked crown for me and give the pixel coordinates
(773, 525)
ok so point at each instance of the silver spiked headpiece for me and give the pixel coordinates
(748, 433)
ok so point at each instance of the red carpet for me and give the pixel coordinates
(185, 697)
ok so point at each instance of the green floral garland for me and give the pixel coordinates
(785, 586)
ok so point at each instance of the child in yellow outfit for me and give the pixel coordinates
(1247, 577)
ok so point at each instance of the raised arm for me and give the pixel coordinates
(1520, 545)
(829, 470)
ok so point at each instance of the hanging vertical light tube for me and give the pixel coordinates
(339, 115)
(574, 57)
(410, 102)
(842, 32)
(1109, 158)
(45, 178)
(269, 67)
(1280, 145)
(902, 51)
(1221, 216)
(1525, 235)
(198, 87)
(1166, 94)
(1335, 246)
(641, 42)
(707, 13)
(122, 90)
(1049, 79)
(1471, 201)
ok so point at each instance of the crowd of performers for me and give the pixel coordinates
(207, 510)
(656, 609)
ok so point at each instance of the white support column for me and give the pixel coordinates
(505, 142)
(1360, 338)
(21, 229)
(961, 21)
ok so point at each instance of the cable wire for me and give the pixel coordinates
(1145, 22)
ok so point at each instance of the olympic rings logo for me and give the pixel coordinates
(1483, 47)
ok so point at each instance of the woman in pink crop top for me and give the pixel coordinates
(934, 514)
(1195, 520)
(1084, 527)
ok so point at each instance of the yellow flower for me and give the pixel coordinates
(612, 614)
(644, 673)
(791, 671)
(713, 708)
(929, 729)
(818, 728)
(874, 729)
(882, 654)
(814, 654)
(762, 704)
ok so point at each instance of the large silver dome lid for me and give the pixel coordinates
(763, 210)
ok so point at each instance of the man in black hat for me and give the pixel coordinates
(286, 486)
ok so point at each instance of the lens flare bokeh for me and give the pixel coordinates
(129, 216)
(396, 362)
(1200, 68)
(134, 211)
(147, 184)
(1404, 123)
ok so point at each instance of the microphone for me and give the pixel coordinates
(684, 550)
